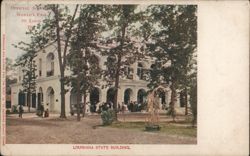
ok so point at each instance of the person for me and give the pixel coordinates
(21, 111)
(139, 107)
(111, 105)
(123, 111)
(46, 113)
(123, 108)
(130, 106)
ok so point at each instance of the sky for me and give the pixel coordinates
(18, 18)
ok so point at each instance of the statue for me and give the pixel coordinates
(153, 108)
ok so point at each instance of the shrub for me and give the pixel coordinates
(108, 117)
(14, 109)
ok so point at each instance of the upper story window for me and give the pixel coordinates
(128, 71)
(50, 64)
(40, 68)
(140, 72)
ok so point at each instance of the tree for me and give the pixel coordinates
(122, 44)
(173, 46)
(28, 66)
(193, 100)
(81, 58)
(10, 75)
(56, 28)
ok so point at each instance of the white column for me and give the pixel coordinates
(134, 94)
(103, 95)
(134, 66)
(67, 102)
(120, 95)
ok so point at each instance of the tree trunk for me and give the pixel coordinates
(63, 113)
(59, 51)
(117, 79)
(84, 105)
(78, 98)
(117, 76)
(186, 101)
(173, 100)
(28, 101)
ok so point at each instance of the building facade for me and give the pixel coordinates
(133, 86)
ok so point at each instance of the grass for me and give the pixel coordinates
(166, 128)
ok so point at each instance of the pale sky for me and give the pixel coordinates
(16, 26)
(18, 17)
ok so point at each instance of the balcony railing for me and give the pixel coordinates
(50, 73)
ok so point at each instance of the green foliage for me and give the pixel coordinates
(81, 59)
(56, 28)
(122, 33)
(122, 49)
(108, 116)
(14, 109)
(28, 67)
(174, 44)
(29, 76)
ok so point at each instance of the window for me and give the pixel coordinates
(50, 64)
(40, 67)
(140, 71)
(128, 71)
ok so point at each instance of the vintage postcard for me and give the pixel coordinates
(124, 77)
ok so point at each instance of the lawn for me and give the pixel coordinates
(167, 128)
(89, 130)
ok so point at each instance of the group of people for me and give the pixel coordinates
(136, 106)
(104, 106)
(41, 112)
(131, 106)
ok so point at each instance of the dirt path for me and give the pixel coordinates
(34, 130)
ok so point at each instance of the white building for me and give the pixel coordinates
(132, 87)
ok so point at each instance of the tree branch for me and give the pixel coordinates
(68, 37)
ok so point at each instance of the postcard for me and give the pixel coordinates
(124, 77)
